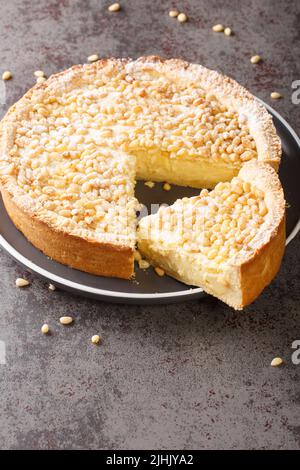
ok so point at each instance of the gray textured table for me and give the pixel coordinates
(191, 375)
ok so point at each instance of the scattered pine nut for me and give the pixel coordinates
(45, 329)
(20, 282)
(182, 18)
(143, 264)
(41, 79)
(227, 31)
(137, 255)
(255, 59)
(114, 7)
(93, 58)
(7, 75)
(218, 28)
(277, 361)
(95, 339)
(275, 95)
(51, 287)
(66, 320)
(159, 271)
(39, 73)
(167, 187)
(173, 13)
(150, 184)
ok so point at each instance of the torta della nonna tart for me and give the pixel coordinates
(73, 147)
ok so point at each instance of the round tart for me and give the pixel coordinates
(73, 146)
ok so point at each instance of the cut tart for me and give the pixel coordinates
(72, 147)
(229, 241)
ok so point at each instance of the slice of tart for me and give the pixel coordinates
(72, 147)
(229, 241)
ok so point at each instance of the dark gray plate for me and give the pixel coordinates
(147, 286)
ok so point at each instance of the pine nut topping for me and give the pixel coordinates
(7, 75)
(143, 264)
(51, 287)
(66, 320)
(218, 28)
(275, 95)
(159, 271)
(45, 329)
(93, 58)
(277, 361)
(255, 59)
(216, 224)
(182, 18)
(95, 339)
(227, 31)
(114, 7)
(173, 13)
(20, 282)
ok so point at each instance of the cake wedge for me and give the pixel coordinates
(229, 241)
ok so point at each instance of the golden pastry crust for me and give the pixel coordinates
(73, 245)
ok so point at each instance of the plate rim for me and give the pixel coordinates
(297, 139)
(111, 294)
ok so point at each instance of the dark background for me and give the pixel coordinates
(192, 375)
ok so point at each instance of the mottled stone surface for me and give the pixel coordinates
(192, 375)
